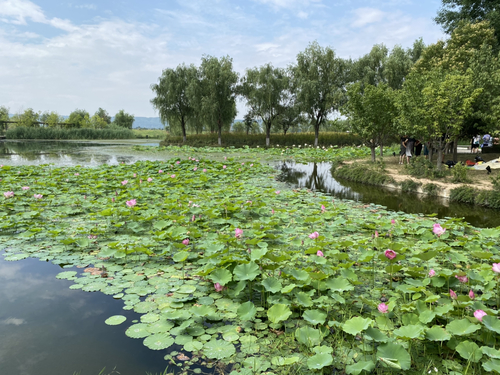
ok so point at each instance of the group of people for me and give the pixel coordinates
(486, 141)
(409, 147)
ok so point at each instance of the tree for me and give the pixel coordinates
(321, 81)
(453, 12)
(216, 98)
(4, 116)
(372, 112)
(97, 122)
(123, 119)
(174, 97)
(79, 118)
(28, 118)
(264, 89)
(104, 115)
(51, 119)
(249, 122)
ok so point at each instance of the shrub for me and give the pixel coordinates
(459, 172)
(409, 186)
(496, 182)
(361, 173)
(253, 140)
(464, 194)
(431, 189)
(421, 167)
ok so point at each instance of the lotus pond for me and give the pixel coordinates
(230, 272)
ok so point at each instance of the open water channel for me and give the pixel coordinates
(47, 328)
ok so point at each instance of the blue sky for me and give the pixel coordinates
(63, 55)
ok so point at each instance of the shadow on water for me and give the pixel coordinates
(317, 176)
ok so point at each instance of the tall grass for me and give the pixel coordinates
(21, 132)
(253, 140)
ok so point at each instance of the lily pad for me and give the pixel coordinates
(308, 336)
(318, 361)
(356, 325)
(247, 271)
(246, 311)
(437, 333)
(470, 351)
(394, 355)
(138, 331)
(278, 313)
(159, 341)
(462, 327)
(221, 276)
(115, 320)
(359, 367)
(314, 316)
(218, 349)
(68, 275)
(272, 285)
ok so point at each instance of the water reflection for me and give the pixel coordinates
(46, 328)
(318, 176)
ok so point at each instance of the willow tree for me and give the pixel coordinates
(174, 100)
(321, 81)
(216, 96)
(264, 89)
(372, 113)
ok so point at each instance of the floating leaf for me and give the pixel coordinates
(181, 256)
(138, 331)
(308, 336)
(284, 361)
(193, 346)
(278, 313)
(218, 349)
(247, 271)
(115, 320)
(314, 316)
(246, 311)
(159, 341)
(359, 367)
(356, 325)
(272, 285)
(462, 327)
(221, 276)
(437, 333)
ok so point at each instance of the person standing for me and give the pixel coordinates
(475, 143)
(402, 149)
(418, 148)
(410, 143)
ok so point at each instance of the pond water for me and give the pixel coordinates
(318, 176)
(46, 328)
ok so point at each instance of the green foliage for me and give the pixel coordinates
(459, 173)
(431, 189)
(4, 116)
(409, 185)
(463, 194)
(496, 182)
(123, 119)
(104, 115)
(362, 173)
(79, 118)
(64, 133)
(254, 140)
(421, 167)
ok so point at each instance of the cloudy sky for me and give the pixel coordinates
(61, 55)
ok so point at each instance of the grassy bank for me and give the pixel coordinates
(60, 133)
(149, 133)
(254, 140)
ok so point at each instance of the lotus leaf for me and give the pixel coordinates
(278, 313)
(161, 326)
(159, 341)
(408, 332)
(376, 335)
(462, 327)
(490, 352)
(338, 285)
(469, 351)
(394, 355)
(308, 336)
(195, 331)
(272, 284)
(187, 289)
(150, 318)
(246, 271)
(492, 365)
(183, 339)
(256, 364)
(318, 361)
(230, 336)
(68, 275)
(137, 331)
(221, 276)
(202, 310)
(437, 333)
(314, 316)
(284, 361)
(356, 325)
(218, 349)
(193, 346)
(359, 367)
(492, 323)
(115, 320)
(247, 311)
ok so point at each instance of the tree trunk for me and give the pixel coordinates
(372, 149)
(316, 135)
(455, 150)
(220, 134)
(381, 149)
(440, 156)
(268, 134)
(431, 153)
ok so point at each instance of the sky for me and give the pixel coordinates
(62, 55)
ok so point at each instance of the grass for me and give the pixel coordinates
(149, 133)
(20, 132)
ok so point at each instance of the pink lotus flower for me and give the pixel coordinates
(462, 279)
(113, 199)
(238, 232)
(471, 294)
(320, 253)
(77, 174)
(195, 168)
(277, 191)
(479, 314)
(140, 181)
(150, 179)
(438, 230)
(383, 308)
(8, 194)
(251, 165)
(186, 242)
(177, 162)
(38, 196)
(172, 176)
(135, 175)
(204, 170)
(224, 167)
(242, 163)
(376, 234)
(453, 295)
(323, 208)
(25, 188)
(496, 267)
(393, 221)
(124, 182)
(160, 171)
(131, 203)
(193, 218)
(432, 273)
(314, 235)
(92, 237)
(218, 287)
(390, 254)
(272, 211)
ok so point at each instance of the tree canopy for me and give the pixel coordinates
(123, 119)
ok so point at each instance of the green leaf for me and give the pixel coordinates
(490, 352)
(247, 271)
(338, 285)
(356, 325)
(115, 320)
(308, 336)
(319, 361)
(138, 331)
(492, 365)
(469, 351)
(304, 299)
(314, 316)
(376, 335)
(272, 285)
(159, 341)
(437, 333)
(278, 313)
(300, 275)
(202, 310)
(359, 367)
(256, 254)
(246, 311)
(218, 349)
(409, 332)
(221, 276)
(181, 256)
(394, 354)
(284, 361)
(462, 327)
(492, 323)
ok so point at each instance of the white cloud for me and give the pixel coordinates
(365, 16)
(17, 11)
(13, 321)
(86, 6)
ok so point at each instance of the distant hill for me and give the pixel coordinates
(147, 123)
